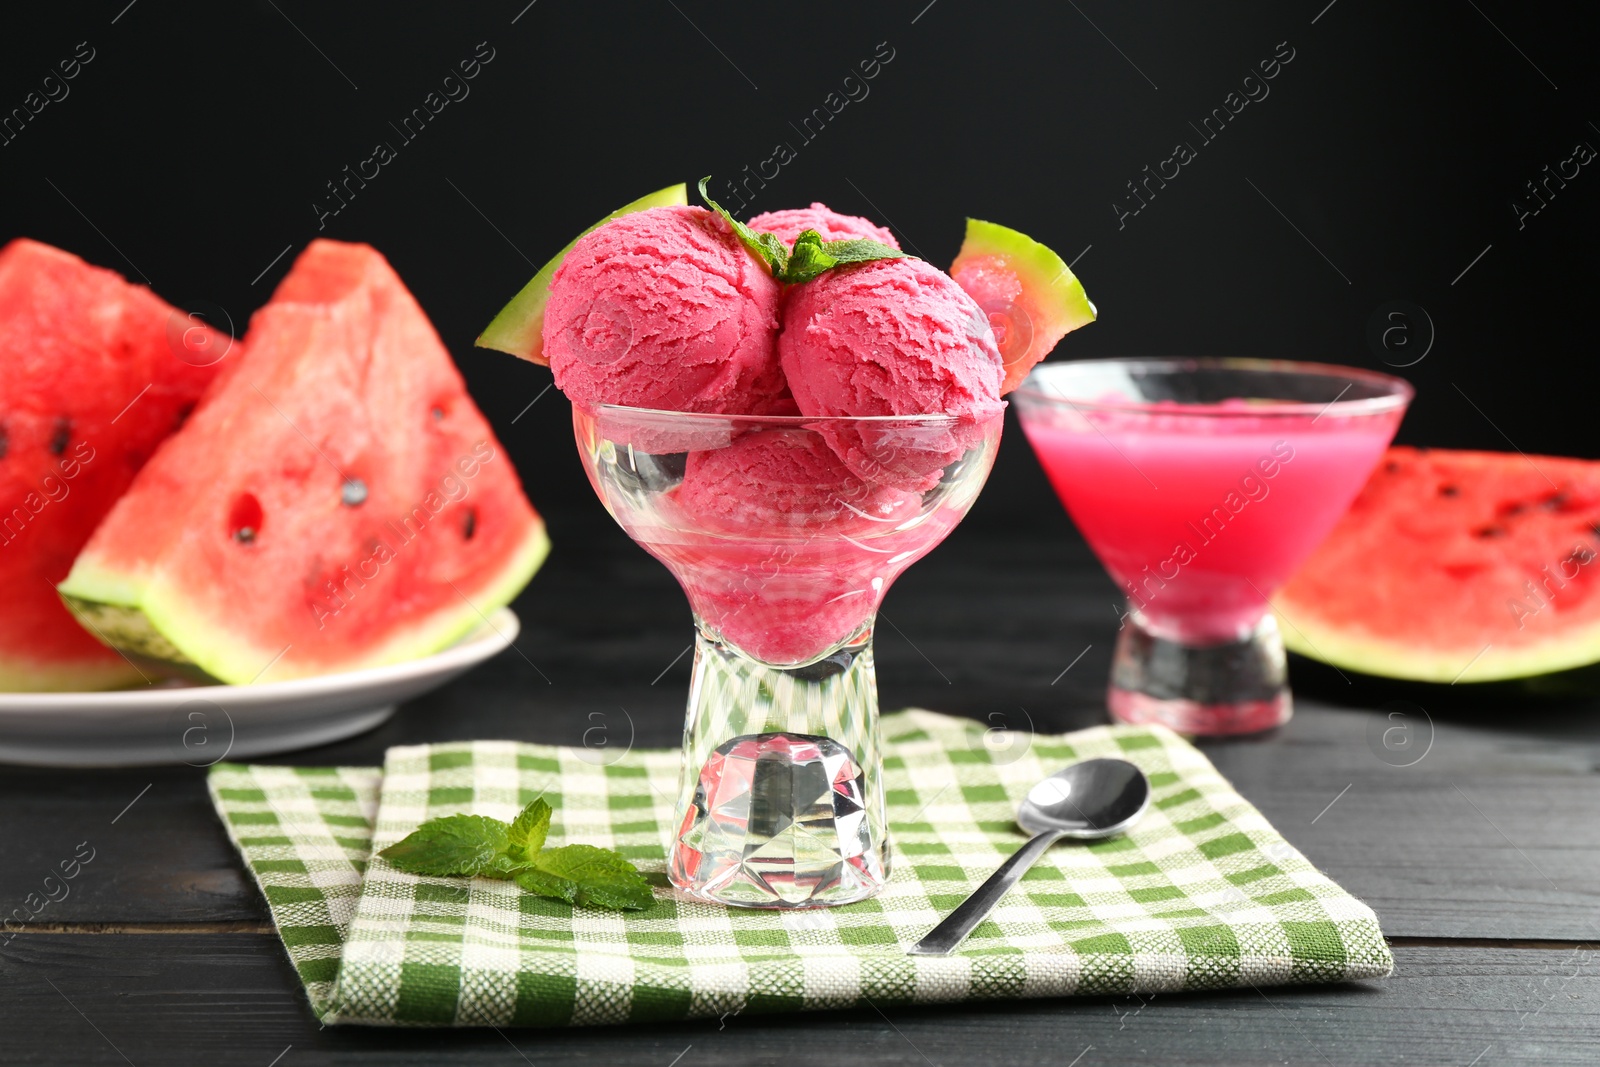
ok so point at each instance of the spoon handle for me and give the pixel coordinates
(943, 939)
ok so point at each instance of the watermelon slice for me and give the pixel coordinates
(1456, 567)
(337, 502)
(97, 373)
(518, 329)
(1032, 298)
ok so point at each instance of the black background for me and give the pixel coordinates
(191, 149)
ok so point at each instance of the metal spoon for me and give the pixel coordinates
(1087, 801)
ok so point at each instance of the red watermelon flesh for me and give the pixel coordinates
(1457, 566)
(337, 502)
(97, 373)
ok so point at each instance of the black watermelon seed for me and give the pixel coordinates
(353, 493)
(61, 437)
(470, 525)
(1449, 490)
(1488, 532)
(245, 534)
(5, 442)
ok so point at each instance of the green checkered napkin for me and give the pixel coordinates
(1203, 893)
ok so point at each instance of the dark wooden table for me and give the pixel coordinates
(1482, 858)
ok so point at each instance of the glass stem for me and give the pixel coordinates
(781, 801)
(1230, 687)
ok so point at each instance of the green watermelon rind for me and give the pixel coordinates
(1406, 662)
(518, 329)
(1045, 276)
(1426, 645)
(1350, 686)
(149, 622)
(24, 676)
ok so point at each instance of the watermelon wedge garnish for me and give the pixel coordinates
(336, 502)
(1456, 567)
(97, 373)
(1031, 296)
(518, 329)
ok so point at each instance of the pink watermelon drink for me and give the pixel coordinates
(1201, 485)
(1194, 513)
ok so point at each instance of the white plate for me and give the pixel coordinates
(202, 724)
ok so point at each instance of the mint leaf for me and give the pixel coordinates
(503, 867)
(453, 845)
(766, 245)
(529, 828)
(546, 884)
(860, 250)
(809, 259)
(476, 845)
(601, 877)
(769, 246)
(811, 255)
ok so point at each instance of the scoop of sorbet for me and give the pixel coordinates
(774, 481)
(665, 308)
(782, 550)
(892, 337)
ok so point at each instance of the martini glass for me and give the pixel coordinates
(1201, 484)
(785, 532)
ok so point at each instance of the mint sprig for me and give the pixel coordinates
(527, 831)
(812, 255)
(453, 845)
(600, 877)
(465, 845)
(768, 246)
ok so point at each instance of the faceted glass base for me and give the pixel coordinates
(1235, 687)
(780, 804)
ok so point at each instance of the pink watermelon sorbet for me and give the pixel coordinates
(784, 479)
(785, 534)
(892, 337)
(830, 225)
(788, 603)
(773, 572)
(665, 309)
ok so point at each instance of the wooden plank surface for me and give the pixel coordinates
(1489, 837)
(1491, 834)
(231, 999)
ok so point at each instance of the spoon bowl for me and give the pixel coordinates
(1087, 801)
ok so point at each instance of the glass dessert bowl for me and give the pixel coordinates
(1201, 484)
(785, 533)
